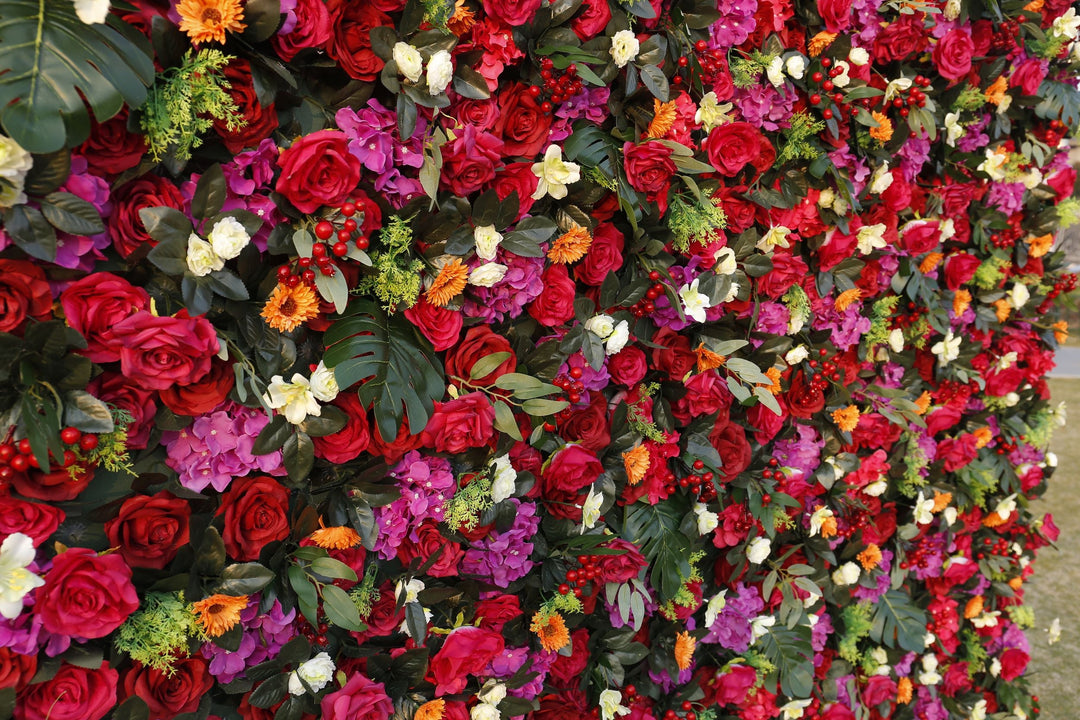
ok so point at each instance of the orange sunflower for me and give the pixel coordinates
(290, 307)
(218, 614)
(209, 20)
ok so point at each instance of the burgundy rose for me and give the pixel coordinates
(479, 342)
(385, 617)
(567, 670)
(521, 123)
(556, 303)
(86, 595)
(466, 651)
(604, 256)
(589, 425)
(567, 705)
(591, 20)
(803, 398)
(36, 520)
(563, 481)
(202, 396)
(734, 449)
(55, 486)
(739, 211)
(160, 351)
(460, 424)
(318, 170)
(517, 177)
(628, 366)
(348, 442)
(150, 530)
(733, 146)
(125, 226)
(514, 13)
(24, 295)
(624, 565)
(440, 325)
(115, 389)
(672, 354)
(359, 699)
(481, 113)
(94, 304)
(73, 693)
(787, 270)
(494, 613)
(953, 54)
(431, 543)
(16, 670)
(256, 513)
(169, 695)
(469, 160)
(111, 149)
(350, 44)
(900, 39)
(259, 121)
(313, 29)
(649, 169)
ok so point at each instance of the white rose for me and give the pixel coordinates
(929, 675)
(440, 71)
(618, 339)
(775, 71)
(228, 237)
(487, 274)
(846, 574)
(14, 164)
(316, 672)
(92, 12)
(201, 258)
(796, 355)
(707, 521)
(409, 62)
(758, 549)
(294, 399)
(487, 239)
(504, 482)
(876, 488)
(1019, 295)
(896, 340)
(601, 326)
(492, 693)
(858, 56)
(324, 383)
(795, 66)
(725, 261)
(624, 47)
(483, 711)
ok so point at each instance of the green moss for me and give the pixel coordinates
(640, 422)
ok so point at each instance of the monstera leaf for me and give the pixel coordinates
(53, 65)
(401, 373)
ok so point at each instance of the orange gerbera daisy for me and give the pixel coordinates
(974, 607)
(922, 403)
(1016, 583)
(845, 299)
(983, 436)
(1039, 246)
(461, 21)
(707, 359)
(209, 20)
(450, 281)
(1002, 309)
(773, 374)
(870, 557)
(636, 461)
(664, 116)
(1061, 331)
(846, 418)
(903, 690)
(684, 650)
(571, 246)
(931, 261)
(961, 301)
(551, 629)
(941, 501)
(290, 307)
(218, 614)
(335, 538)
(819, 42)
(431, 710)
(883, 132)
(996, 92)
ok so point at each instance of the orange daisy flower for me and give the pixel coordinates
(571, 246)
(870, 557)
(819, 42)
(983, 436)
(931, 261)
(903, 690)
(996, 92)
(684, 650)
(974, 607)
(218, 614)
(1061, 331)
(883, 132)
(961, 301)
(450, 281)
(335, 538)
(1039, 246)
(845, 299)
(941, 501)
(664, 117)
(707, 359)
(1016, 583)
(922, 403)
(636, 461)
(209, 20)
(773, 374)
(431, 710)
(846, 418)
(551, 629)
(461, 22)
(290, 307)
(1002, 309)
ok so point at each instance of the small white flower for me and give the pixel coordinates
(1006, 507)
(1054, 631)
(986, 619)
(871, 237)
(601, 326)
(793, 710)
(774, 238)
(775, 71)
(858, 56)
(611, 704)
(707, 520)
(408, 592)
(711, 113)
(1019, 295)
(846, 574)
(994, 164)
(818, 518)
(1011, 399)
(876, 488)
(492, 693)
(694, 303)
(554, 174)
(761, 624)
(624, 47)
(995, 667)
(929, 674)
(896, 87)
(758, 549)
(733, 293)
(409, 61)
(715, 607)
(896, 340)
(324, 383)
(228, 237)
(880, 181)
(725, 261)
(487, 240)
(440, 71)
(618, 338)
(1051, 459)
(952, 10)
(201, 258)
(947, 349)
(16, 552)
(950, 514)
(484, 711)
(978, 711)
(795, 66)
(92, 12)
(924, 508)
(294, 399)
(504, 482)
(796, 355)
(953, 129)
(590, 511)
(487, 274)
(1067, 25)
(316, 672)
(879, 656)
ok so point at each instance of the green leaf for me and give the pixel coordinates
(299, 455)
(543, 408)
(487, 364)
(269, 692)
(330, 568)
(134, 708)
(333, 288)
(329, 422)
(71, 214)
(244, 579)
(340, 610)
(306, 596)
(402, 376)
(504, 420)
(209, 195)
(793, 655)
(416, 621)
(31, 232)
(55, 69)
(85, 412)
(166, 224)
(227, 285)
(262, 17)
(898, 621)
(273, 436)
(654, 79)
(471, 84)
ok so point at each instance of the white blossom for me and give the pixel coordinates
(16, 553)
(440, 71)
(228, 237)
(316, 672)
(624, 47)
(409, 61)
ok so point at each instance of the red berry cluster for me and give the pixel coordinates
(315, 635)
(712, 62)
(19, 457)
(1001, 547)
(578, 580)
(828, 91)
(1003, 41)
(558, 87)
(646, 305)
(572, 386)
(699, 483)
(323, 253)
(914, 312)
(687, 709)
(1056, 131)
(829, 370)
(852, 522)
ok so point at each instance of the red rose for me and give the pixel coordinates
(706, 394)
(469, 160)
(573, 469)
(733, 146)
(588, 425)
(150, 530)
(517, 177)
(920, 236)
(73, 693)
(359, 699)
(879, 689)
(836, 14)
(125, 226)
(493, 613)
(35, 520)
(734, 450)
(622, 566)
(604, 255)
(1013, 663)
(787, 270)
(86, 595)
(24, 294)
(16, 670)
(55, 486)
(350, 45)
(804, 399)
(348, 442)
(672, 354)
(313, 29)
(567, 705)
(957, 452)
(170, 695)
(556, 303)
(440, 325)
(1028, 76)
(568, 669)
(740, 212)
(899, 40)
(466, 651)
(514, 13)
(735, 683)
(765, 422)
(521, 124)
(111, 149)
(202, 396)
(460, 424)
(479, 342)
(393, 450)
(649, 169)
(256, 513)
(94, 304)
(959, 268)
(259, 121)
(628, 366)
(318, 170)
(591, 19)
(953, 53)
(385, 617)
(481, 113)
(432, 542)
(115, 389)
(160, 352)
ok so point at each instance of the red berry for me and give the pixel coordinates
(826, 62)
(827, 86)
(69, 458)
(684, 61)
(340, 249)
(19, 463)
(6, 453)
(817, 77)
(534, 90)
(348, 209)
(89, 442)
(576, 372)
(827, 114)
(323, 230)
(344, 235)
(687, 705)
(308, 276)
(564, 589)
(283, 272)
(545, 108)
(350, 225)
(654, 275)
(24, 446)
(6, 473)
(304, 262)
(815, 99)
(701, 45)
(318, 250)
(362, 243)
(70, 435)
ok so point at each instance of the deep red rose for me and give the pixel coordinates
(359, 699)
(957, 452)
(256, 512)
(493, 613)
(479, 341)
(125, 226)
(350, 44)
(1028, 76)
(706, 394)
(879, 689)
(787, 269)
(521, 124)
(466, 651)
(836, 14)
(460, 424)
(956, 680)
(170, 695)
(567, 670)
(55, 486)
(604, 256)
(348, 442)
(628, 366)
(556, 303)
(739, 211)
(24, 295)
(765, 422)
(202, 396)
(649, 169)
(150, 530)
(566, 705)
(111, 149)
(313, 29)
(86, 595)
(874, 431)
(517, 177)
(589, 425)
(73, 693)
(16, 670)
(318, 170)
(838, 247)
(733, 146)
(803, 399)
(440, 325)
(259, 121)
(36, 520)
(959, 268)
(899, 40)
(162, 351)
(622, 566)
(470, 160)
(396, 448)
(734, 450)
(837, 711)
(514, 13)
(115, 389)
(673, 354)
(1013, 663)
(94, 304)
(563, 481)
(591, 19)
(432, 542)
(481, 113)
(952, 55)
(385, 617)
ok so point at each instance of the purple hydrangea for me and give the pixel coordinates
(503, 557)
(731, 628)
(802, 451)
(928, 705)
(735, 24)
(773, 318)
(539, 662)
(508, 662)
(590, 103)
(264, 635)
(974, 138)
(522, 284)
(426, 484)
(765, 106)
(883, 580)
(913, 155)
(848, 326)
(1006, 197)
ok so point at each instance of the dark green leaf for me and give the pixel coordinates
(166, 224)
(273, 436)
(299, 455)
(31, 232)
(263, 17)
(471, 84)
(899, 622)
(71, 214)
(330, 568)
(227, 285)
(416, 622)
(654, 79)
(331, 421)
(306, 596)
(244, 579)
(134, 708)
(269, 692)
(340, 610)
(757, 265)
(210, 191)
(48, 173)
(210, 558)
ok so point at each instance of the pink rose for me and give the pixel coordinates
(1028, 76)
(836, 14)
(359, 699)
(556, 303)
(513, 12)
(160, 352)
(469, 161)
(628, 366)
(953, 54)
(318, 170)
(466, 651)
(86, 595)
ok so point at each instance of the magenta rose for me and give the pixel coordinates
(456, 426)
(513, 12)
(628, 366)
(1013, 663)
(73, 693)
(466, 651)
(920, 236)
(953, 54)
(733, 685)
(556, 303)
(649, 169)
(959, 268)
(93, 305)
(125, 226)
(313, 29)
(359, 699)
(1028, 76)
(318, 170)
(469, 160)
(733, 146)
(836, 14)
(162, 351)
(86, 595)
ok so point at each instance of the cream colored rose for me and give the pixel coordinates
(440, 71)
(201, 258)
(486, 239)
(487, 274)
(409, 62)
(624, 47)
(228, 237)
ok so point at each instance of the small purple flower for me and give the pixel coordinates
(503, 557)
